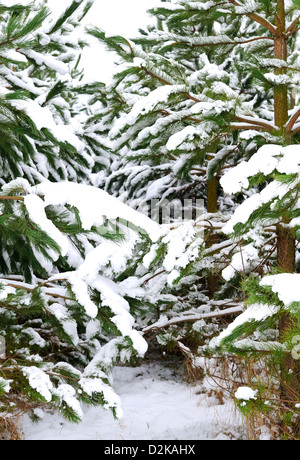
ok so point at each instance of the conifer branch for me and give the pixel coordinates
(291, 28)
(257, 18)
(240, 126)
(219, 43)
(262, 124)
(295, 130)
(291, 122)
(230, 310)
(32, 289)
(11, 198)
(165, 82)
(293, 32)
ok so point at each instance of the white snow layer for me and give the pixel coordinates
(156, 406)
(286, 285)
(5, 384)
(256, 312)
(94, 205)
(43, 118)
(39, 381)
(241, 261)
(269, 158)
(245, 393)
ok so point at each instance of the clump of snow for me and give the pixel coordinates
(93, 205)
(39, 413)
(188, 133)
(43, 118)
(274, 189)
(36, 339)
(256, 312)
(241, 261)
(268, 158)
(36, 209)
(5, 384)
(177, 241)
(286, 285)
(49, 61)
(66, 393)
(112, 400)
(246, 393)
(69, 325)
(39, 381)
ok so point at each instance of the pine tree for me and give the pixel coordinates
(65, 247)
(270, 214)
(201, 93)
(143, 173)
(65, 329)
(269, 326)
(172, 118)
(39, 96)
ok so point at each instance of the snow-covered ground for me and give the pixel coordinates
(157, 405)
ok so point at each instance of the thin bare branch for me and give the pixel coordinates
(234, 310)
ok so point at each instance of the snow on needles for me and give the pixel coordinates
(255, 312)
(286, 285)
(269, 158)
(94, 205)
(43, 118)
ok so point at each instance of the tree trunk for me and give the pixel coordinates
(290, 368)
(212, 207)
(285, 236)
(286, 246)
(280, 52)
(212, 195)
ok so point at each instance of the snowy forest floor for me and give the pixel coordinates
(158, 404)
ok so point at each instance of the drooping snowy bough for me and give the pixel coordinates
(64, 319)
